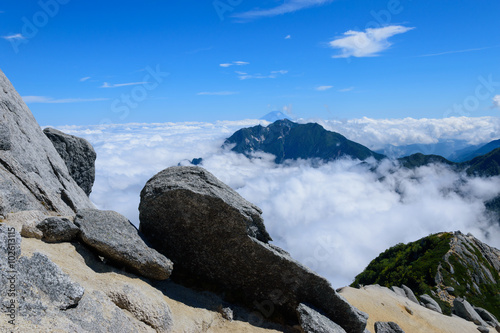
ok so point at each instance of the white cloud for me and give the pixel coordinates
(323, 88)
(288, 37)
(287, 7)
(272, 75)
(368, 43)
(15, 36)
(117, 85)
(50, 100)
(496, 101)
(346, 89)
(334, 218)
(83, 79)
(375, 133)
(235, 63)
(218, 93)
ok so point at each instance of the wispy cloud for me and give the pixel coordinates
(218, 93)
(15, 36)
(323, 88)
(50, 100)
(83, 79)
(287, 7)
(117, 85)
(368, 43)
(234, 63)
(346, 89)
(272, 75)
(458, 51)
(288, 37)
(496, 101)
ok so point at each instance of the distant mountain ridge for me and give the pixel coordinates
(288, 140)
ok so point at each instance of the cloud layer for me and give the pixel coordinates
(368, 43)
(335, 217)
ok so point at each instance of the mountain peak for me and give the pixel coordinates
(289, 140)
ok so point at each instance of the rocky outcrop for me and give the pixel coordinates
(116, 239)
(312, 321)
(409, 293)
(57, 229)
(463, 309)
(430, 303)
(445, 265)
(214, 235)
(32, 174)
(387, 327)
(489, 318)
(79, 156)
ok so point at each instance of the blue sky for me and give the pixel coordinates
(89, 62)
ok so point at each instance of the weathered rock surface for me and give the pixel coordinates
(37, 285)
(57, 229)
(463, 309)
(32, 174)
(409, 293)
(115, 238)
(312, 321)
(78, 154)
(210, 232)
(430, 303)
(387, 327)
(399, 291)
(486, 316)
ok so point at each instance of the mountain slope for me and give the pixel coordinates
(468, 155)
(485, 166)
(288, 140)
(435, 263)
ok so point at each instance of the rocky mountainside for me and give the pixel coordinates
(32, 174)
(444, 269)
(288, 140)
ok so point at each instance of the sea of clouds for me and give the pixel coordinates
(334, 217)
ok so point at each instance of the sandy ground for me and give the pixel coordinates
(382, 304)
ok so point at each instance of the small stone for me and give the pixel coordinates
(312, 321)
(483, 329)
(227, 313)
(56, 229)
(387, 327)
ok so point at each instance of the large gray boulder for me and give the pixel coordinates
(463, 309)
(32, 174)
(116, 239)
(215, 236)
(78, 154)
(430, 303)
(387, 327)
(311, 321)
